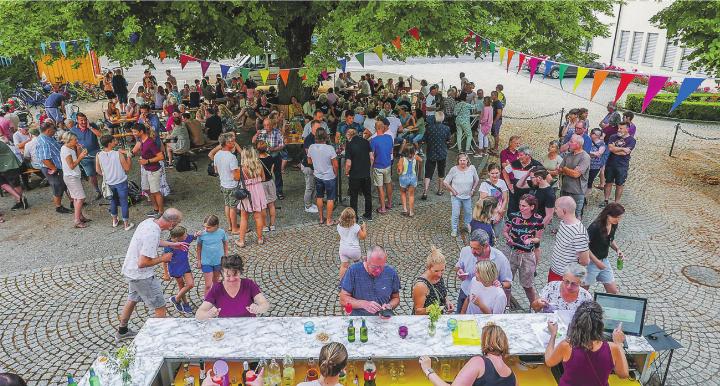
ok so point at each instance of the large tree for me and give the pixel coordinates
(221, 29)
(696, 25)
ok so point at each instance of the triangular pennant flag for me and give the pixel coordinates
(509, 58)
(42, 48)
(655, 84)
(324, 74)
(53, 47)
(414, 32)
(204, 64)
(264, 75)
(598, 79)
(63, 47)
(477, 43)
(134, 38)
(485, 45)
(378, 51)
(343, 63)
(87, 45)
(548, 67)
(224, 70)
(184, 59)
(396, 43)
(533, 65)
(468, 37)
(162, 55)
(360, 56)
(75, 45)
(502, 54)
(521, 60)
(625, 79)
(688, 86)
(563, 68)
(284, 76)
(245, 72)
(581, 72)
(304, 77)
(492, 51)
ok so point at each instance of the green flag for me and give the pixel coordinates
(563, 67)
(360, 56)
(492, 51)
(245, 72)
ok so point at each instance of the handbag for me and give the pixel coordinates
(241, 191)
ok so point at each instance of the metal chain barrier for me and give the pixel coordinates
(538, 117)
(699, 136)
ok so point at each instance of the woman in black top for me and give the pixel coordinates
(602, 237)
(268, 183)
(430, 287)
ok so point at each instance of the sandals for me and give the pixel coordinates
(80, 225)
(240, 244)
(261, 241)
(406, 214)
(440, 192)
(381, 210)
(424, 197)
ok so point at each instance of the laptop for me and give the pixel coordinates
(626, 309)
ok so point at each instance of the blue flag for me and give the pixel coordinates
(688, 86)
(548, 66)
(343, 63)
(224, 70)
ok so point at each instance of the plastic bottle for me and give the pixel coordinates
(363, 332)
(275, 373)
(202, 371)
(94, 379)
(620, 263)
(369, 370)
(288, 373)
(71, 380)
(351, 332)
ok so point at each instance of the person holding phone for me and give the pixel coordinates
(587, 359)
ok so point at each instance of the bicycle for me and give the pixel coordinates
(29, 97)
(82, 93)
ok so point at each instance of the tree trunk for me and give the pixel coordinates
(298, 44)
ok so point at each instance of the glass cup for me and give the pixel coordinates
(309, 327)
(403, 331)
(452, 324)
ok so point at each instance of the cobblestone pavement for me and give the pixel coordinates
(60, 309)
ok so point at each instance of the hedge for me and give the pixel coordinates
(699, 106)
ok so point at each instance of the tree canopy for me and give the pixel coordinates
(696, 25)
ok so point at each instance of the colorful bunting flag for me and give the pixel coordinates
(468, 37)
(184, 59)
(284, 76)
(204, 64)
(415, 33)
(581, 73)
(688, 86)
(502, 54)
(548, 67)
(87, 45)
(324, 74)
(63, 47)
(245, 73)
(509, 58)
(477, 43)
(396, 43)
(75, 45)
(598, 79)
(492, 51)
(42, 48)
(224, 69)
(655, 84)
(378, 51)
(343, 63)
(134, 38)
(625, 79)
(304, 77)
(360, 56)
(162, 55)
(521, 60)
(264, 75)
(563, 68)
(53, 47)
(533, 65)
(485, 45)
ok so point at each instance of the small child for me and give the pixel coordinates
(407, 170)
(484, 296)
(483, 213)
(179, 268)
(350, 235)
(212, 245)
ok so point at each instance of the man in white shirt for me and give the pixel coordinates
(430, 99)
(138, 268)
(393, 127)
(226, 165)
(323, 158)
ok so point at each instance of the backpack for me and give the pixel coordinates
(134, 193)
(183, 163)
(211, 169)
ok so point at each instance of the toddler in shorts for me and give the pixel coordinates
(407, 168)
(350, 235)
(179, 268)
(212, 245)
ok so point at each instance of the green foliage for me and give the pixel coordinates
(21, 70)
(434, 311)
(699, 106)
(696, 25)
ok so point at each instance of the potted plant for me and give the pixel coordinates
(434, 311)
(121, 363)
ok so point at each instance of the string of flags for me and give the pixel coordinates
(654, 85)
(62, 46)
(5, 61)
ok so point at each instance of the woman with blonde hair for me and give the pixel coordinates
(251, 177)
(71, 153)
(350, 235)
(430, 287)
(483, 214)
(489, 369)
(484, 297)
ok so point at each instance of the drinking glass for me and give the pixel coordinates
(309, 327)
(452, 324)
(403, 331)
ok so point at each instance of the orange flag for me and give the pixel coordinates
(162, 55)
(284, 76)
(598, 80)
(510, 55)
(396, 43)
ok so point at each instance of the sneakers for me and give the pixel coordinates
(18, 205)
(62, 209)
(453, 233)
(367, 218)
(152, 213)
(122, 337)
(129, 226)
(272, 228)
(187, 309)
(312, 209)
(266, 229)
(176, 303)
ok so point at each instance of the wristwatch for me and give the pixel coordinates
(428, 372)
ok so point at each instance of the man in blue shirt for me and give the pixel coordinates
(47, 152)
(381, 159)
(579, 130)
(88, 137)
(371, 286)
(54, 105)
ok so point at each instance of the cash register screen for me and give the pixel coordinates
(626, 309)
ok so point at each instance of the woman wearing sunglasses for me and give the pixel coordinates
(563, 295)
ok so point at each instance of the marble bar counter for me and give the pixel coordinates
(237, 339)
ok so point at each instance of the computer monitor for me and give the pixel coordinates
(626, 309)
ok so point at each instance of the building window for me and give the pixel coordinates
(668, 61)
(635, 48)
(684, 61)
(650, 44)
(622, 49)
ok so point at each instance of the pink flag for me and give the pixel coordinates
(533, 65)
(324, 74)
(625, 79)
(655, 84)
(204, 66)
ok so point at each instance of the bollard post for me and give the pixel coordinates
(677, 127)
(562, 116)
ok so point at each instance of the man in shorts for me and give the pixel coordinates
(437, 135)
(150, 157)
(323, 158)
(88, 136)
(47, 152)
(618, 163)
(226, 165)
(381, 159)
(498, 107)
(138, 268)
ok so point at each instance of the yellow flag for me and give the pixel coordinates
(502, 54)
(264, 75)
(582, 71)
(378, 50)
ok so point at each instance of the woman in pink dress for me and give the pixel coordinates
(486, 119)
(252, 176)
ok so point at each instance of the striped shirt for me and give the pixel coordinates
(48, 148)
(569, 242)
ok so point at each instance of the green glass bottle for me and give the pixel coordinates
(351, 332)
(71, 380)
(620, 263)
(363, 332)
(94, 379)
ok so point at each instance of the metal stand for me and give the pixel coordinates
(560, 126)
(672, 146)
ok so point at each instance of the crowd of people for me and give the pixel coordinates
(375, 127)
